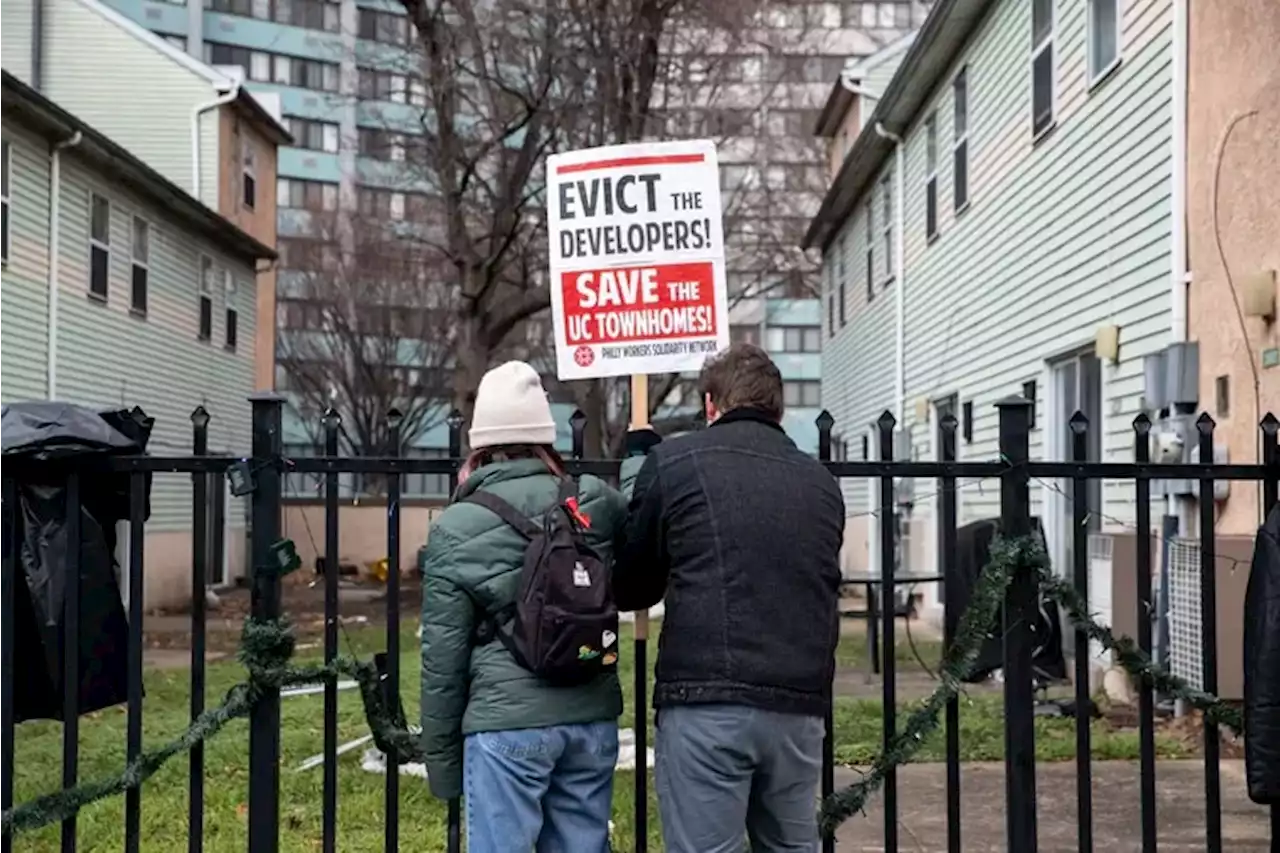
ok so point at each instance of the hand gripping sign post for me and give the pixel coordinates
(637, 280)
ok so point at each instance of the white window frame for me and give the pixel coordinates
(1049, 42)
(931, 174)
(205, 289)
(104, 245)
(1096, 74)
(136, 263)
(230, 292)
(6, 199)
(960, 139)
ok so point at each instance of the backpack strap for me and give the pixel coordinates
(568, 489)
(505, 511)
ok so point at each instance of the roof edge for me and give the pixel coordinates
(19, 97)
(942, 37)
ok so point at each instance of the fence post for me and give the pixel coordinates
(888, 612)
(825, 422)
(1209, 636)
(1020, 612)
(199, 579)
(947, 534)
(264, 719)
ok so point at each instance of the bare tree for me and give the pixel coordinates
(503, 83)
(365, 330)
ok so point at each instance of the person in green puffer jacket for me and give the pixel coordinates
(534, 761)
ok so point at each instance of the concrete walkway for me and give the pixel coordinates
(922, 809)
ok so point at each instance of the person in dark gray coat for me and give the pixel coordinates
(739, 532)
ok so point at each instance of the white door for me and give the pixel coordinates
(1075, 385)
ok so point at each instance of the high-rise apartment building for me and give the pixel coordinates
(340, 70)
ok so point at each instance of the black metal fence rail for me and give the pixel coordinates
(263, 472)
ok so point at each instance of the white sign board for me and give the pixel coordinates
(637, 259)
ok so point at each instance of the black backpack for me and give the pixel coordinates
(563, 626)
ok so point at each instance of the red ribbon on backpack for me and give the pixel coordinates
(576, 513)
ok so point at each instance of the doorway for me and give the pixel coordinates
(1075, 384)
(216, 551)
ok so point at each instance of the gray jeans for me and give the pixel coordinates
(729, 773)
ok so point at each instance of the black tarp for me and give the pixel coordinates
(973, 550)
(43, 442)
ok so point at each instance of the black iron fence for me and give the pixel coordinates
(262, 473)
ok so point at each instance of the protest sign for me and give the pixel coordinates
(637, 259)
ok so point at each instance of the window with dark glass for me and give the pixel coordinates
(1042, 71)
(931, 176)
(960, 145)
(141, 266)
(99, 245)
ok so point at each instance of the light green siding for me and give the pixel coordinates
(24, 296)
(15, 38)
(1061, 236)
(127, 83)
(109, 357)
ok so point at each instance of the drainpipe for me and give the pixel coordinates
(55, 216)
(37, 45)
(899, 273)
(199, 110)
(1179, 274)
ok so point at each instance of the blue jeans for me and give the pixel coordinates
(729, 773)
(548, 789)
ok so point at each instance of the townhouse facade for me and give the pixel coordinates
(120, 289)
(197, 125)
(1007, 205)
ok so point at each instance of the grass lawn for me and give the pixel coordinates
(360, 798)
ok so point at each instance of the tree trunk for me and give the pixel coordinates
(473, 352)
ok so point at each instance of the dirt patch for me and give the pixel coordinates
(303, 602)
(1188, 730)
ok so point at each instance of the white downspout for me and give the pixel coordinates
(199, 110)
(899, 274)
(55, 217)
(1179, 274)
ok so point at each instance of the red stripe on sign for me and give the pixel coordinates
(655, 160)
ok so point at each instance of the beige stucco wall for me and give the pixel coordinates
(166, 577)
(1233, 69)
(362, 532)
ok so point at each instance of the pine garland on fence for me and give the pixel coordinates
(1008, 556)
(267, 646)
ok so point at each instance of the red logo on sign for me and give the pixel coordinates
(584, 356)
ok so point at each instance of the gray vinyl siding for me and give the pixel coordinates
(126, 87)
(108, 357)
(1060, 237)
(858, 362)
(15, 38)
(24, 295)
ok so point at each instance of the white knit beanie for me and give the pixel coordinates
(511, 408)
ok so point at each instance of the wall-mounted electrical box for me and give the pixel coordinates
(1221, 488)
(1182, 375)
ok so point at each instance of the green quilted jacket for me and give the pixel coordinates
(472, 566)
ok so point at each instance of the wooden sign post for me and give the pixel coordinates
(640, 420)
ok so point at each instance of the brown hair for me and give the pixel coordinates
(743, 377)
(506, 452)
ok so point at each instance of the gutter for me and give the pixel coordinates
(197, 111)
(37, 44)
(55, 217)
(899, 272)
